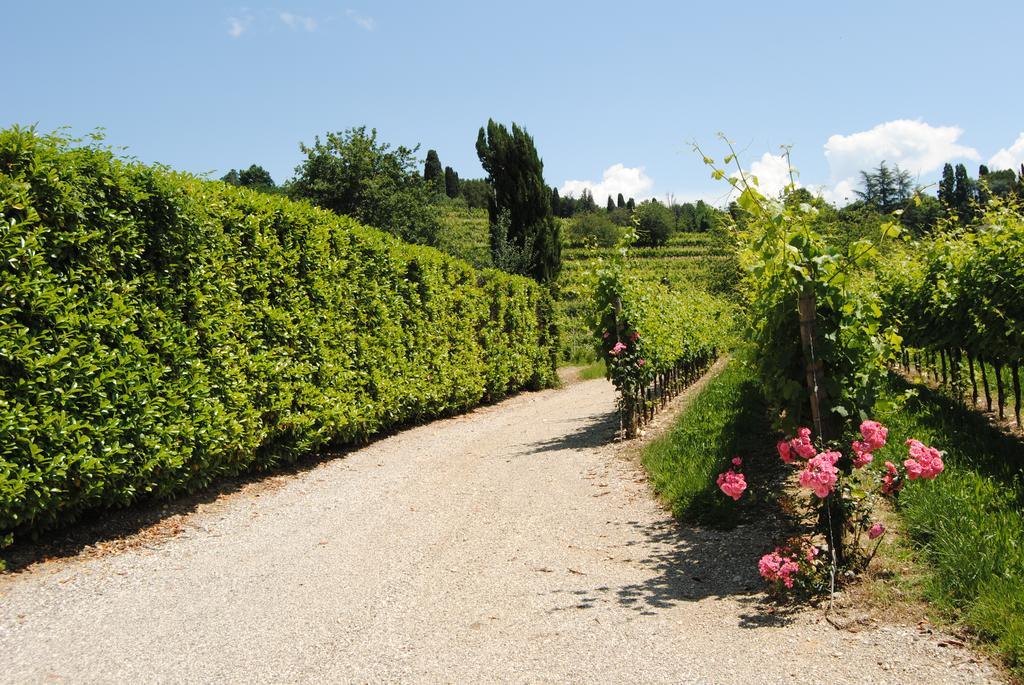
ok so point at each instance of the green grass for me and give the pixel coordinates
(593, 370)
(728, 418)
(968, 522)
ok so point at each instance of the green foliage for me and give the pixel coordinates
(885, 189)
(962, 289)
(646, 329)
(160, 331)
(654, 222)
(433, 173)
(785, 256)
(969, 522)
(476, 191)
(515, 174)
(729, 417)
(593, 229)
(352, 173)
(451, 183)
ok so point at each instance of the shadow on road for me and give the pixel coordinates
(597, 432)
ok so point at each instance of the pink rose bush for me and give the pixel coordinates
(618, 349)
(824, 472)
(732, 482)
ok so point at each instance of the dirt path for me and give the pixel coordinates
(511, 544)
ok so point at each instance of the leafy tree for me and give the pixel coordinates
(620, 202)
(611, 203)
(921, 215)
(256, 177)
(886, 189)
(476, 191)
(451, 182)
(586, 202)
(515, 174)
(653, 223)
(593, 229)
(433, 172)
(231, 177)
(947, 185)
(352, 173)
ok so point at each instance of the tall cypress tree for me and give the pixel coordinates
(556, 203)
(433, 172)
(947, 185)
(963, 193)
(451, 182)
(630, 204)
(519, 206)
(621, 202)
(611, 204)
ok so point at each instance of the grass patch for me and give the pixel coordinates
(969, 522)
(594, 370)
(728, 418)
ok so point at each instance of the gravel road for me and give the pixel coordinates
(512, 544)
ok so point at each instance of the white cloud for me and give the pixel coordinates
(1009, 158)
(618, 178)
(239, 25)
(364, 22)
(772, 173)
(297, 21)
(914, 145)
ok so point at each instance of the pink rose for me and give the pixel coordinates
(875, 531)
(732, 484)
(874, 434)
(925, 462)
(802, 444)
(785, 453)
(820, 474)
(891, 482)
(777, 566)
(861, 454)
(617, 350)
(736, 461)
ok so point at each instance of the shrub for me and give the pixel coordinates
(160, 331)
(593, 229)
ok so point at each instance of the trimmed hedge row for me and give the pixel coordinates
(158, 331)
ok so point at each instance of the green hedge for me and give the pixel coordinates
(159, 331)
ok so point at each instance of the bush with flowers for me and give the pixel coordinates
(842, 487)
(654, 339)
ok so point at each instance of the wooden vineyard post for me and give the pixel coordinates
(1015, 374)
(1000, 397)
(984, 384)
(813, 365)
(974, 381)
(833, 519)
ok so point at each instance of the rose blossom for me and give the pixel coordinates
(891, 483)
(785, 453)
(861, 454)
(875, 531)
(821, 474)
(732, 484)
(925, 462)
(776, 567)
(802, 444)
(615, 351)
(874, 434)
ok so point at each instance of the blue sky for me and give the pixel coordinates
(612, 92)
